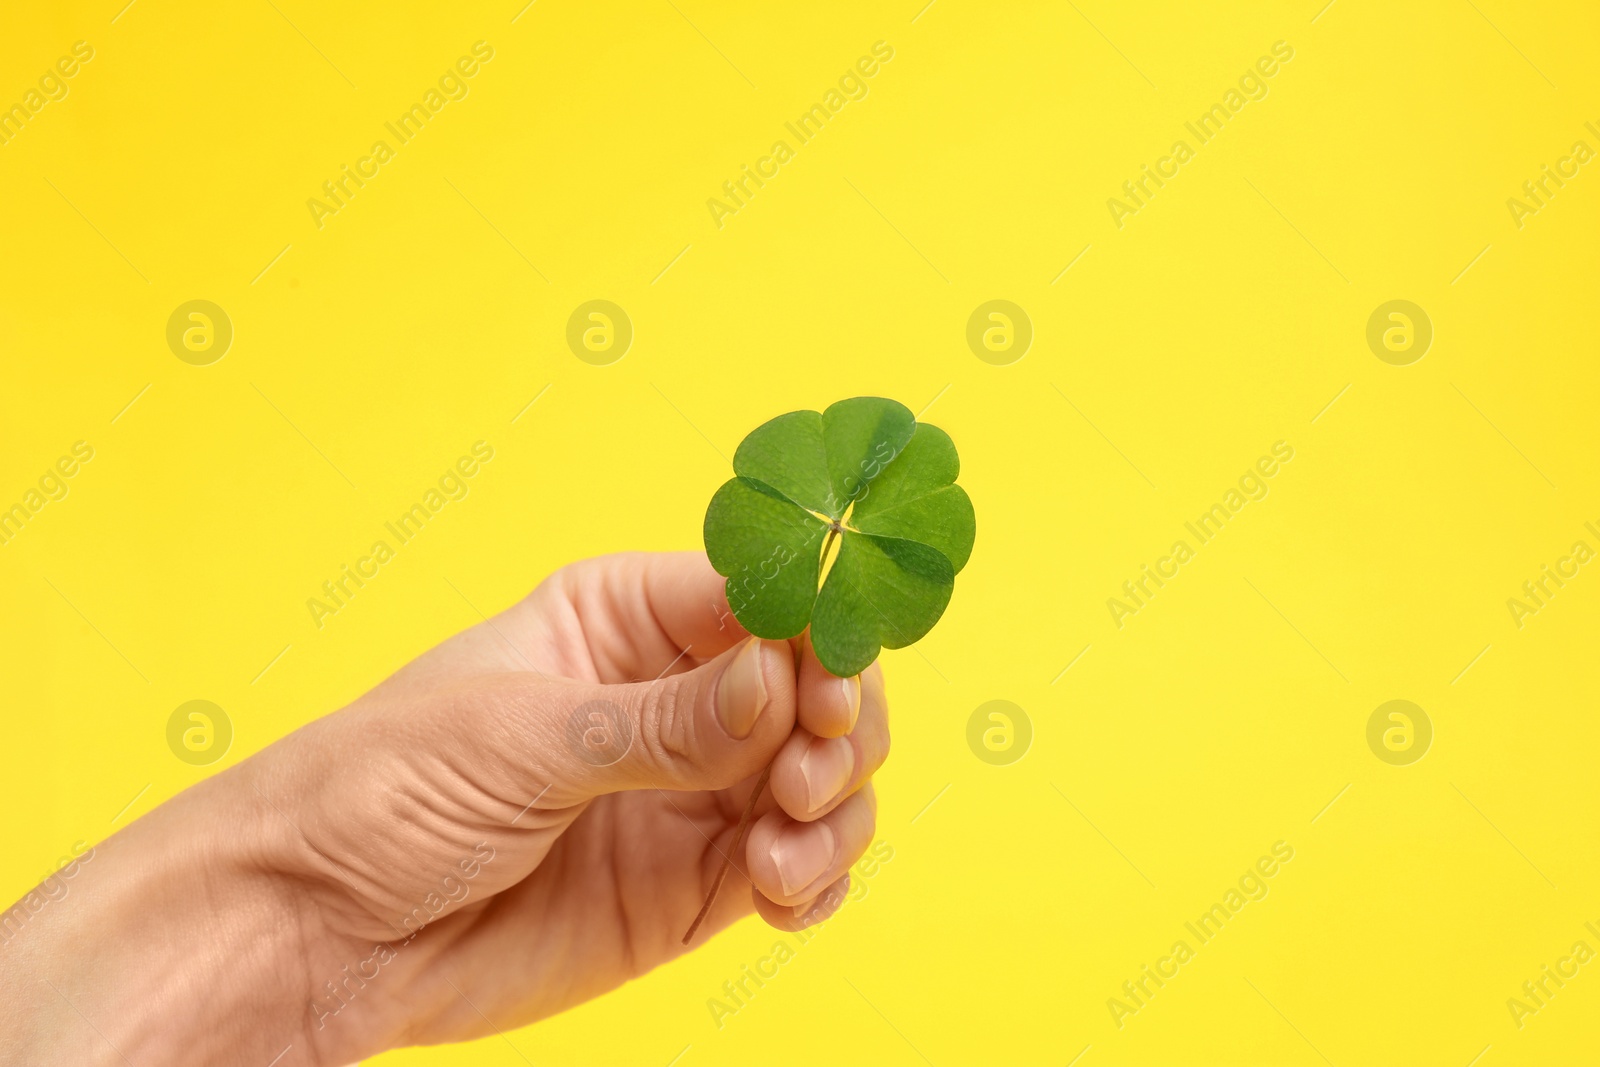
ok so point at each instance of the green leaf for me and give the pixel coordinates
(771, 553)
(917, 498)
(880, 591)
(862, 435)
(787, 454)
(904, 529)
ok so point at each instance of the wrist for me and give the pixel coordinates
(173, 944)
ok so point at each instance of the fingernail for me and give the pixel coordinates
(814, 911)
(852, 697)
(742, 692)
(802, 853)
(826, 768)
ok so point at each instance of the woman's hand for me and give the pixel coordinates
(519, 820)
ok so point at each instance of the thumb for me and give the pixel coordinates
(708, 728)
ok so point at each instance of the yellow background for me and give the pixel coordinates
(1221, 318)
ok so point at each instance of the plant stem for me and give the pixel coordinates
(727, 857)
(833, 532)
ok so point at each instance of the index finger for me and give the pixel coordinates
(829, 705)
(642, 611)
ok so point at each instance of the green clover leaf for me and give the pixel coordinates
(864, 473)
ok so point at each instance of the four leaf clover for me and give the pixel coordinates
(863, 473)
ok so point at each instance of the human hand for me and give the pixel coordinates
(510, 825)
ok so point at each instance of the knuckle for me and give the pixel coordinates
(494, 729)
(666, 728)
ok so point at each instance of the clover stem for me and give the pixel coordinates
(834, 529)
(727, 857)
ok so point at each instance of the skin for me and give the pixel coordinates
(450, 855)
